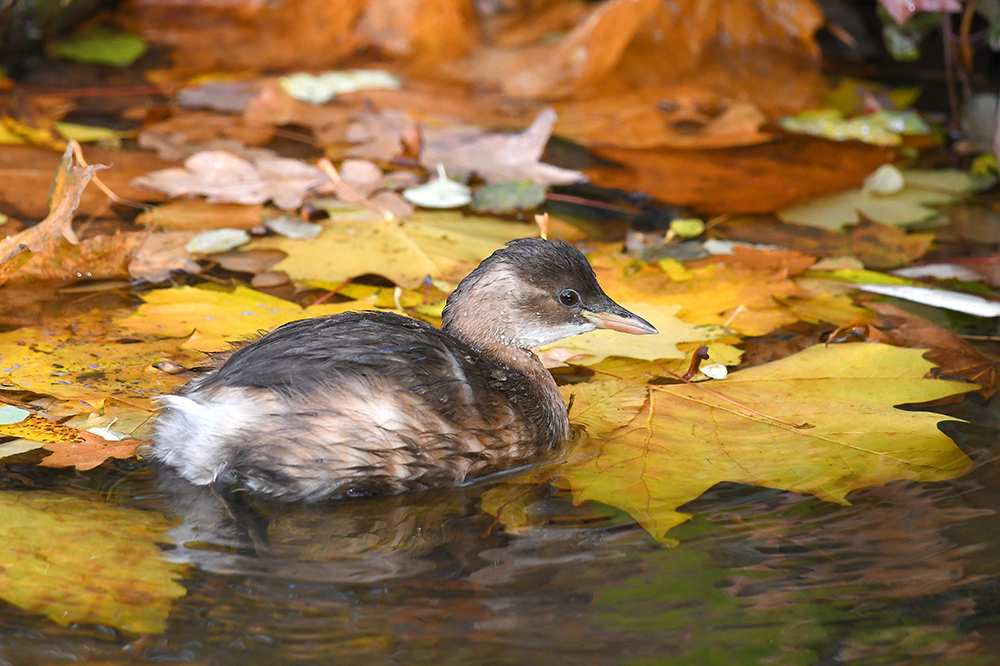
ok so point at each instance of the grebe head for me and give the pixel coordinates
(532, 293)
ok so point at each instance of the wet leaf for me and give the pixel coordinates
(321, 88)
(75, 560)
(225, 178)
(64, 197)
(755, 179)
(909, 207)
(215, 318)
(89, 452)
(102, 46)
(581, 58)
(497, 157)
(684, 440)
(507, 198)
(444, 245)
(598, 345)
(89, 367)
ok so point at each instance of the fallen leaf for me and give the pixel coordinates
(679, 116)
(878, 246)
(579, 59)
(496, 157)
(199, 215)
(953, 356)
(684, 440)
(753, 179)
(910, 207)
(444, 245)
(102, 46)
(64, 197)
(747, 301)
(161, 254)
(102, 257)
(42, 430)
(89, 452)
(596, 346)
(323, 87)
(75, 560)
(225, 178)
(89, 366)
(26, 176)
(218, 318)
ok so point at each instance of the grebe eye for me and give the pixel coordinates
(569, 298)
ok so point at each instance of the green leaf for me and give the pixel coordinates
(102, 46)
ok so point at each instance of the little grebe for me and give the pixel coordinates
(374, 402)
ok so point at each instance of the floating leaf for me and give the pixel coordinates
(64, 197)
(217, 241)
(225, 178)
(217, 318)
(444, 245)
(507, 198)
(684, 439)
(76, 560)
(89, 452)
(89, 368)
(102, 46)
(321, 88)
(10, 414)
(598, 345)
(909, 207)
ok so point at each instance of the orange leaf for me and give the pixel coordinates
(88, 451)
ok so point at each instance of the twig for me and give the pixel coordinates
(78, 152)
(346, 193)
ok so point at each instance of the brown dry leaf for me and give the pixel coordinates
(101, 257)
(580, 59)
(307, 34)
(188, 132)
(953, 356)
(200, 215)
(498, 157)
(878, 246)
(755, 179)
(748, 300)
(64, 197)
(676, 117)
(161, 254)
(88, 451)
(225, 178)
(882, 247)
(782, 262)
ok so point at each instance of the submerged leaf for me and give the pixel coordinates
(80, 561)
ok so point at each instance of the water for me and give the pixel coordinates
(905, 575)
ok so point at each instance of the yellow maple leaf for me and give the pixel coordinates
(214, 318)
(684, 440)
(77, 560)
(442, 244)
